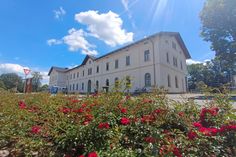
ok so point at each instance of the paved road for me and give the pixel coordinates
(185, 97)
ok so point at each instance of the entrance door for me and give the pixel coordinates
(89, 86)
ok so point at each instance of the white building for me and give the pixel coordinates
(158, 60)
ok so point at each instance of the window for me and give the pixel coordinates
(147, 80)
(73, 87)
(116, 82)
(175, 63)
(116, 64)
(107, 82)
(77, 86)
(82, 86)
(167, 57)
(181, 65)
(97, 84)
(146, 55)
(97, 69)
(127, 60)
(176, 82)
(166, 41)
(107, 66)
(174, 45)
(128, 82)
(90, 71)
(89, 62)
(74, 76)
(169, 81)
(83, 72)
(70, 87)
(71, 76)
(77, 74)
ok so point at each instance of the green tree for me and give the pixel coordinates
(36, 81)
(43, 88)
(12, 81)
(218, 19)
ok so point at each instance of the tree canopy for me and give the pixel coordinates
(218, 19)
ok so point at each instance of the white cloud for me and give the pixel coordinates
(76, 40)
(51, 42)
(59, 13)
(11, 68)
(191, 61)
(19, 69)
(106, 27)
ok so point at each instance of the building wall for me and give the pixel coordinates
(157, 66)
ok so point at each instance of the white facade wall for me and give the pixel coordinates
(157, 66)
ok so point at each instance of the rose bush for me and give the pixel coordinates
(111, 124)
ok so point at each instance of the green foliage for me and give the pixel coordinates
(11, 81)
(219, 28)
(112, 124)
(36, 81)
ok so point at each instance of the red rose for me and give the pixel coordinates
(181, 114)
(176, 152)
(35, 129)
(125, 121)
(22, 105)
(147, 119)
(157, 111)
(78, 110)
(197, 124)
(123, 110)
(192, 135)
(65, 110)
(104, 126)
(81, 156)
(92, 154)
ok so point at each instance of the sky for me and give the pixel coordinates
(40, 34)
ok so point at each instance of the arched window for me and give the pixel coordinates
(107, 82)
(116, 82)
(169, 81)
(147, 80)
(176, 82)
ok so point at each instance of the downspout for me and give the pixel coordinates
(154, 67)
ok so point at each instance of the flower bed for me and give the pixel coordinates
(115, 125)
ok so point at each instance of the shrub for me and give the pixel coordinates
(111, 124)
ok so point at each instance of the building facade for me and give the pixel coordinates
(158, 60)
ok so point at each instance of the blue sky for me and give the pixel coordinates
(41, 34)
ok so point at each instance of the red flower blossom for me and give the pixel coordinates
(22, 105)
(35, 129)
(92, 154)
(147, 119)
(80, 110)
(124, 121)
(157, 111)
(104, 126)
(208, 131)
(150, 139)
(181, 114)
(197, 124)
(65, 110)
(81, 156)
(192, 135)
(127, 97)
(176, 152)
(83, 105)
(227, 128)
(123, 110)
